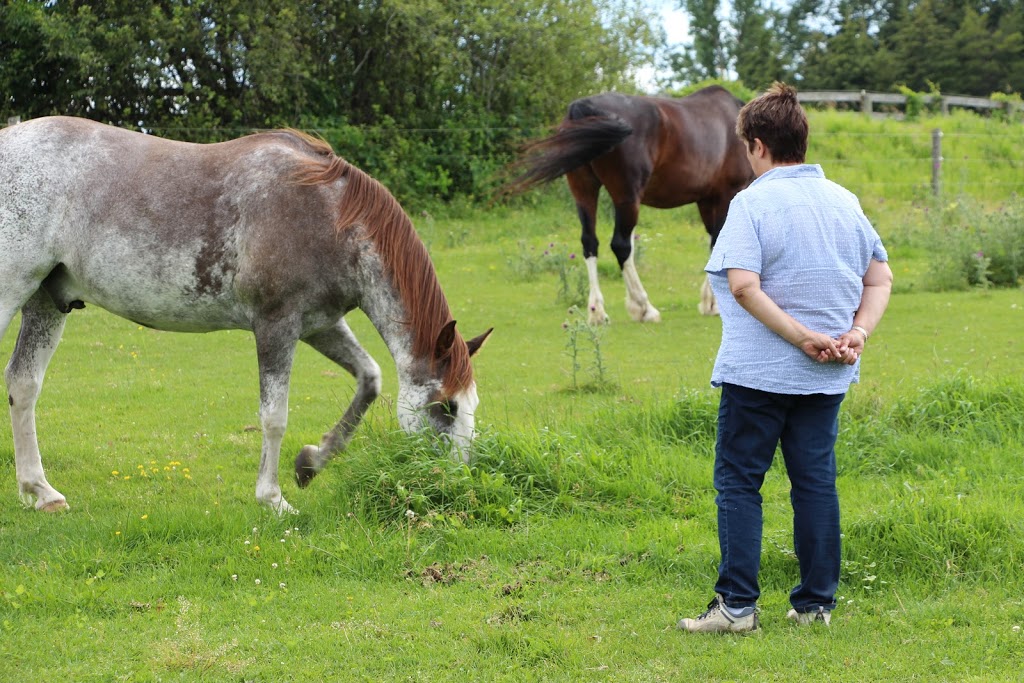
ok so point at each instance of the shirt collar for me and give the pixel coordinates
(795, 171)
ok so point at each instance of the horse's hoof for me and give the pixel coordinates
(708, 309)
(54, 506)
(284, 508)
(652, 315)
(305, 467)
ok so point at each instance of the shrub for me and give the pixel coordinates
(974, 248)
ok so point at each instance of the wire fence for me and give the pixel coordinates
(980, 164)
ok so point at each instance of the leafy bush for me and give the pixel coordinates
(423, 168)
(735, 87)
(1013, 111)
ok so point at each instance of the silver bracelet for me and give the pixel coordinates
(861, 330)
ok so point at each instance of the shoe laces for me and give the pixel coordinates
(713, 606)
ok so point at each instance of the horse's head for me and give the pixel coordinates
(445, 400)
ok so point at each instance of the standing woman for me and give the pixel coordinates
(802, 280)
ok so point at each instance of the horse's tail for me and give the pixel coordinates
(586, 133)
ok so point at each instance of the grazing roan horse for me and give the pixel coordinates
(656, 151)
(271, 233)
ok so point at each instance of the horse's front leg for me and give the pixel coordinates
(41, 327)
(340, 345)
(275, 351)
(595, 303)
(708, 305)
(713, 211)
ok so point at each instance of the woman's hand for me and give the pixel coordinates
(849, 347)
(820, 347)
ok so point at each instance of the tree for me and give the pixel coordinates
(924, 48)
(847, 61)
(704, 58)
(757, 51)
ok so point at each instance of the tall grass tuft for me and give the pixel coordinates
(974, 247)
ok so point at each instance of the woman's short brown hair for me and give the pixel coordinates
(777, 118)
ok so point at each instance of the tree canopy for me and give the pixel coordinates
(965, 47)
(432, 96)
(403, 87)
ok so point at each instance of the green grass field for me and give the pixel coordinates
(583, 530)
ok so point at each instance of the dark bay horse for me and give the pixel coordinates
(271, 233)
(654, 151)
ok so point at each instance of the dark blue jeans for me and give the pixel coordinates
(751, 424)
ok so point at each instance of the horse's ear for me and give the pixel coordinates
(445, 339)
(476, 343)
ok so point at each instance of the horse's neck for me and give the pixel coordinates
(383, 305)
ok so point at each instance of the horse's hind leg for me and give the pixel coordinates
(340, 345)
(275, 351)
(41, 327)
(585, 187)
(638, 305)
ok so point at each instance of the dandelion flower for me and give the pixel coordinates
(144, 517)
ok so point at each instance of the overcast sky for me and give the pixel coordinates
(675, 23)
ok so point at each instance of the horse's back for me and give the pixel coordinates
(170, 234)
(698, 154)
(681, 150)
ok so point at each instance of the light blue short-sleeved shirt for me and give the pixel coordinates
(811, 244)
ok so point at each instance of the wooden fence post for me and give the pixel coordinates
(936, 161)
(866, 105)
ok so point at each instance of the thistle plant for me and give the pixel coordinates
(530, 262)
(581, 335)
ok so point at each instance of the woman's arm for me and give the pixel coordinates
(745, 286)
(873, 302)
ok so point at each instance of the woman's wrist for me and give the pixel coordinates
(863, 332)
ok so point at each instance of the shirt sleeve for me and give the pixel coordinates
(738, 245)
(878, 251)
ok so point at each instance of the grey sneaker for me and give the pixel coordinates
(806, 618)
(717, 619)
